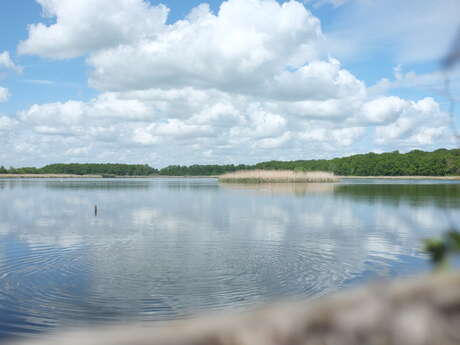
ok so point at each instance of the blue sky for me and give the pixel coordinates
(235, 81)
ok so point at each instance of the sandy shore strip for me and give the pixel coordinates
(47, 176)
(44, 176)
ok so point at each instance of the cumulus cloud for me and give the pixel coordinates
(420, 123)
(4, 94)
(245, 47)
(214, 126)
(245, 84)
(8, 63)
(106, 24)
(6, 123)
(383, 110)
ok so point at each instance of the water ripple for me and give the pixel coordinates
(161, 249)
(152, 280)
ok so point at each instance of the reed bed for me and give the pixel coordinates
(278, 176)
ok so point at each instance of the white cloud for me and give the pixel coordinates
(4, 94)
(6, 123)
(260, 123)
(383, 110)
(59, 114)
(420, 123)
(331, 136)
(87, 25)
(318, 80)
(242, 85)
(7, 62)
(238, 49)
(273, 142)
(110, 106)
(214, 126)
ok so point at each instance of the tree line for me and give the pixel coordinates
(86, 169)
(202, 170)
(441, 162)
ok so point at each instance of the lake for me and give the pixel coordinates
(167, 248)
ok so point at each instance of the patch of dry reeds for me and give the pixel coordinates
(278, 176)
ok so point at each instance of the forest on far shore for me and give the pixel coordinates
(441, 162)
(86, 169)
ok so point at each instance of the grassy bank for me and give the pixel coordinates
(277, 176)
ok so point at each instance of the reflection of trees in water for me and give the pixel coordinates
(171, 184)
(111, 184)
(19, 184)
(441, 195)
(98, 185)
(192, 185)
(174, 247)
(73, 184)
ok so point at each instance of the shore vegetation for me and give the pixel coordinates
(442, 162)
(84, 169)
(278, 176)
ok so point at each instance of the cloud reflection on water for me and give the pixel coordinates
(169, 247)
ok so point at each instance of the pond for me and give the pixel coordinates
(166, 248)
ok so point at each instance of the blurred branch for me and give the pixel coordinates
(453, 57)
(448, 63)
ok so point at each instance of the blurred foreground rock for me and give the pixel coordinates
(424, 310)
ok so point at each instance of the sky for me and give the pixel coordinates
(222, 82)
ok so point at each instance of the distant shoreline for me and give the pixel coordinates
(69, 176)
(403, 177)
(44, 176)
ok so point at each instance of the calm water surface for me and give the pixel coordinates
(166, 248)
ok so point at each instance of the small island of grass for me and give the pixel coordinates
(278, 176)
